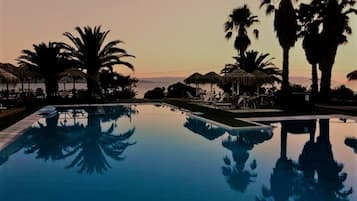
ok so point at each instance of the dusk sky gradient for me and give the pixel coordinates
(168, 37)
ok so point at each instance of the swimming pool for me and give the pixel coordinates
(156, 152)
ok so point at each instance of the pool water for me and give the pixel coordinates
(155, 152)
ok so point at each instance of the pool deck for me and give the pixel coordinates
(11, 133)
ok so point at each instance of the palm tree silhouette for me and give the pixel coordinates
(48, 60)
(334, 18)
(311, 43)
(253, 61)
(286, 27)
(239, 20)
(238, 176)
(326, 24)
(48, 142)
(90, 52)
(95, 144)
(297, 180)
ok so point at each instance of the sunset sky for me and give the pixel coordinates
(168, 37)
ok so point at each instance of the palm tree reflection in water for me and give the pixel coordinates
(316, 175)
(91, 144)
(237, 175)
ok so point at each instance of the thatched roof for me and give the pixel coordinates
(194, 78)
(6, 76)
(211, 77)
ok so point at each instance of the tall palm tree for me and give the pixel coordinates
(335, 22)
(286, 27)
(239, 20)
(331, 17)
(48, 60)
(90, 52)
(311, 41)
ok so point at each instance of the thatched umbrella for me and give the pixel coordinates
(241, 77)
(195, 78)
(74, 74)
(352, 75)
(7, 77)
(211, 78)
(262, 78)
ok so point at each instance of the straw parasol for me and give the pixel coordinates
(211, 78)
(352, 75)
(7, 77)
(74, 74)
(195, 78)
(241, 77)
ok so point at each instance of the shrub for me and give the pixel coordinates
(343, 92)
(179, 90)
(156, 93)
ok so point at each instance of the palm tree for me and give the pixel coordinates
(239, 20)
(311, 44)
(48, 60)
(286, 27)
(335, 23)
(253, 61)
(90, 52)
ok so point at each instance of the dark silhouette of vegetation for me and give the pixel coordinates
(91, 145)
(328, 23)
(286, 28)
(253, 61)
(179, 90)
(292, 180)
(156, 93)
(90, 52)
(240, 143)
(342, 92)
(116, 85)
(48, 60)
(239, 20)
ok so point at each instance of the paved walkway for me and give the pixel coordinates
(11, 133)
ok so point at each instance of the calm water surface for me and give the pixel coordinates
(149, 152)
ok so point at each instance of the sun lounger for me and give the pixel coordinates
(2, 108)
(222, 103)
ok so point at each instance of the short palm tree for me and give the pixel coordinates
(48, 60)
(90, 52)
(239, 20)
(286, 27)
(253, 61)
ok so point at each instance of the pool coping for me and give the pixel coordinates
(11, 133)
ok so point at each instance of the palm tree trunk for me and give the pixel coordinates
(74, 83)
(326, 65)
(283, 140)
(22, 86)
(285, 82)
(315, 85)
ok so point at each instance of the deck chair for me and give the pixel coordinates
(2, 108)
(221, 102)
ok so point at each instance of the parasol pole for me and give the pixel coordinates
(237, 87)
